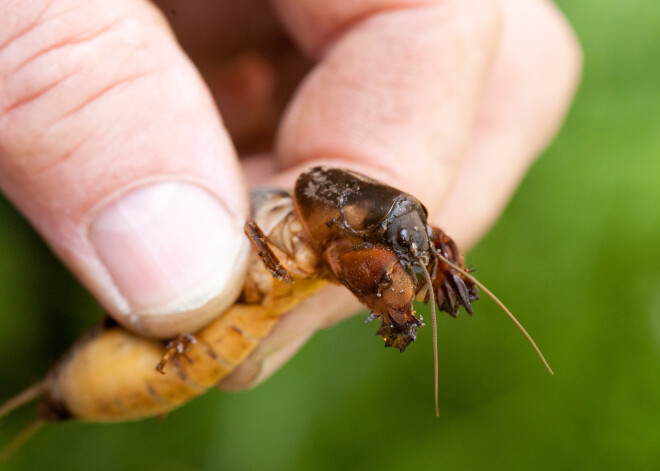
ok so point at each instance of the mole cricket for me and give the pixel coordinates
(336, 226)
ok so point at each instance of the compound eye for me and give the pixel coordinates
(403, 238)
(430, 232)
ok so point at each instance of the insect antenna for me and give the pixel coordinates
(499, 303)
(22, 398)
(435, 333)
(20, 439)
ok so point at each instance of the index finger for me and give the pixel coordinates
(395, 90)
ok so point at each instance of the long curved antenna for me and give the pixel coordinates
(20, 439)
(23, 397)
(435, 334)
(499, 303)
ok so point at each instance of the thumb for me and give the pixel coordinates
(111, 146)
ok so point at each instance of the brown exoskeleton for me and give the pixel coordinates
(337, 226)
(376, 241)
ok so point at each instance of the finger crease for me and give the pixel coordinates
(65, 42)
(104, 91)
(31, 26)
(57, 161)
(30, 98)
(326, 42)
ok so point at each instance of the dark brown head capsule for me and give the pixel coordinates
(376, 241)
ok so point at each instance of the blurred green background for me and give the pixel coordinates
(576, 255)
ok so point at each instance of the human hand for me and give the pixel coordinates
(111, 146)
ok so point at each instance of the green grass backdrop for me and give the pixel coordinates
(576, 255)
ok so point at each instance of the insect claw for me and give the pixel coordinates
(160, 367)
(449, 305)
(463, 293)
(175, 349)
(398, 336)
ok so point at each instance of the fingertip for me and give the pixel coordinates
(398, 105)
(529, 91)
(113, 148)
(170, 249)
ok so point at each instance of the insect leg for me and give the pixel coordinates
(175, 349)
(260, 244)
(452, 289)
